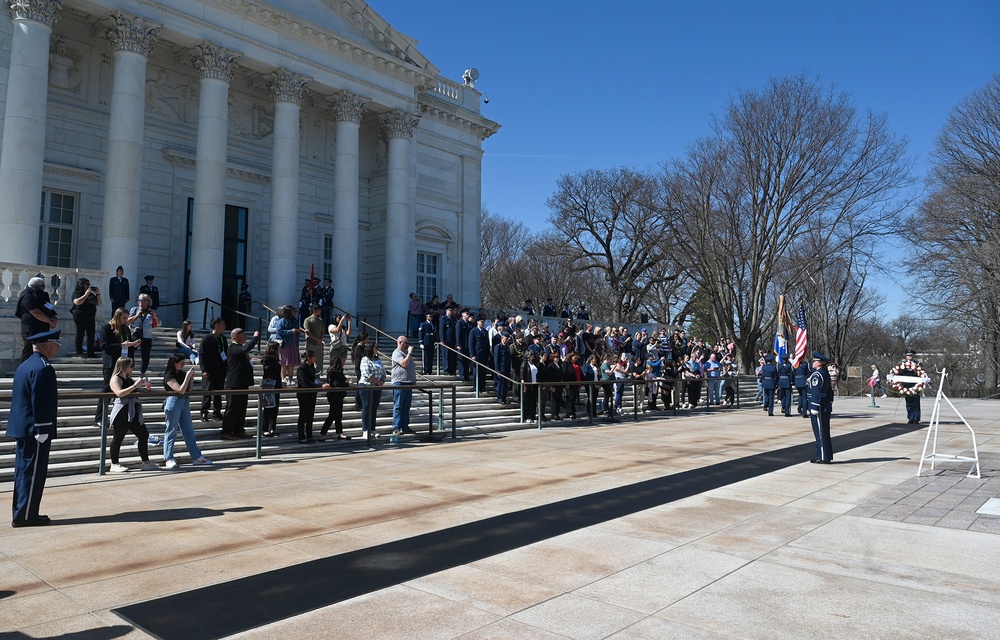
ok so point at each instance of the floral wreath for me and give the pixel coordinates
(908, 368)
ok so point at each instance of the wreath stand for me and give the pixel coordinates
(932, 432)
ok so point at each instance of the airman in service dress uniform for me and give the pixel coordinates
(32, 423)
(821, 407)
(768, 377)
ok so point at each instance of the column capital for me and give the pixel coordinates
(43, 11)
(399, 124)
(213, 61)
(348, 107)
(131, 33)
(286, 86)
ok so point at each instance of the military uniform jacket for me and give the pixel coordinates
(820, 391)
(501, 358)
(448, 330)
(802, 375)
(784, 376)
(479, 342)
(465, 328)
(33, 401)
(768, 375)
(425, 333)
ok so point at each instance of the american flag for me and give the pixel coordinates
(801, 336)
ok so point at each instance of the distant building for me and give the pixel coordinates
(218, 142)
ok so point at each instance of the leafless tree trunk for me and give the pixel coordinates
(613, 224)
(958, 226)
(787, 160)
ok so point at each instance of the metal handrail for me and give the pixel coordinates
(383, 333)
(104, 398)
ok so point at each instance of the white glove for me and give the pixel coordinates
(813, 412)
(42, 437)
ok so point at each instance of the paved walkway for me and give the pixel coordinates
(861, 548)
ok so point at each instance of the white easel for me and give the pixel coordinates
(933, 432)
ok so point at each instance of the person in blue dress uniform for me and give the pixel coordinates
(32, 423)
(821, 407)
(768, 377)
(802, 386)
(785, 374)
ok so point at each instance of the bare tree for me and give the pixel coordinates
(792, 158)
(503, 243)
(958, 226)
(612, 224)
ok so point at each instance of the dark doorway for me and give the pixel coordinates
(234, 259)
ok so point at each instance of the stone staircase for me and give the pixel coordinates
(78, 447)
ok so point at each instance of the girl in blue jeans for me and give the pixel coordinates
(178, 412)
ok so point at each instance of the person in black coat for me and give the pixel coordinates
(36, 312)
(449, 338)
(32, 423)
(116, 341)
(118, 290)
(530, 372)
(239, 375)
(212, 360)
(553, 374)
(305, 378)
(426, 336)
(270, 378)
(337, 384)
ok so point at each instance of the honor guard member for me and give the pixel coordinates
(152, 291)
(463, 329)
(768, 377)
(32, 423)
(785, 373)
(820, 407)
(448, 338)
(802, 386)
(426, 338)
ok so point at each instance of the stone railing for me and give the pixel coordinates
(448, 89)
(59, 282)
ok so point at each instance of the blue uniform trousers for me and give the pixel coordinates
(31, 466)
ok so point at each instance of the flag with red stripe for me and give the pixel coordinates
(801, 336)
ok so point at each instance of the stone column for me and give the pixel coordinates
(216, 65)
(400, 256)
(22, 156)
(131, 38)
(286, 88)
(347, 109)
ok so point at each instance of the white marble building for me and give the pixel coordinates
(215, 142)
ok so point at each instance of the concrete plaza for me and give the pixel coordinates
(860, 548)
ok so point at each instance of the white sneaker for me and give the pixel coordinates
(201, 460)
(171, 464)
(118, 468)
(150, 466)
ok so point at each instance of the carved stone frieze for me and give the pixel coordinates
(213, 61)
(131, 33)
(65, 66)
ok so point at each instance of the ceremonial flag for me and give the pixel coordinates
(312, 281)
(781, 335)
(801, 336)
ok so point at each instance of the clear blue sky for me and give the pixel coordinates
(584, 84)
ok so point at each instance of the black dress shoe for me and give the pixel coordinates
(824, 461)
(814, 461)
(39, 521)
